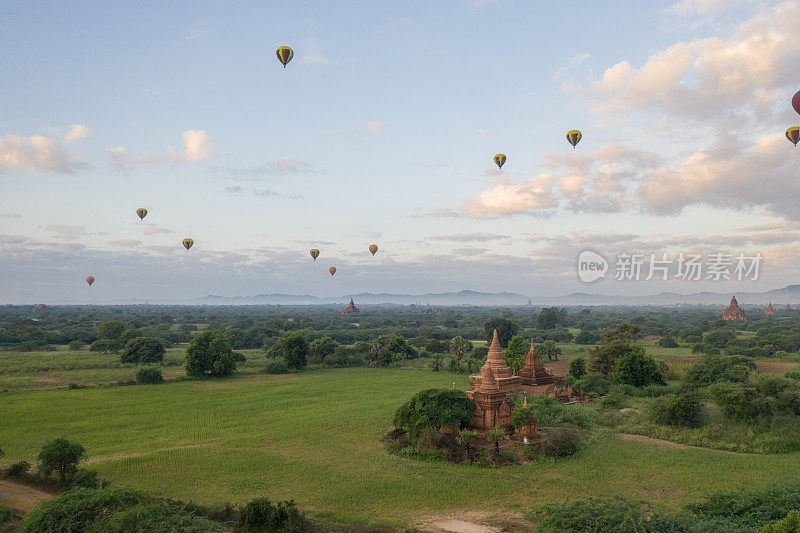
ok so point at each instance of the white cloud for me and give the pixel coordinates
(10, 215)
(507, 197)
(370, 128)
(195, 148)
(36, 153)
(65, 232)
(76, 133)
(705, 7)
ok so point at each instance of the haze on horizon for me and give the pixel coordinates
(382, 129)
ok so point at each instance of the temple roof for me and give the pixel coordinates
(496, 360)
(488, 382)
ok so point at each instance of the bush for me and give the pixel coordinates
(18, 469)
(111, 509)
(562, 441)
(260, 514)
(789, 524)
(295, 349)
(149, 376)
(638, 369)
(676, 410)
(62, 456)
(521, 417)
(210, 354)
(667, 342)
(434, 409)
(616, 515)
(550, 412)
(577, 368)
(719, 368)
(276, 367)
(594, 384)
(75, 346)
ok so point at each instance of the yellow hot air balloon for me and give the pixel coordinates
(187, 243)
(332, 270)
(574, 137)
(500, 160)
(314, 253)
(373, 248)
(793, 134)
(90, 280)
(285, 54)
(142, 212)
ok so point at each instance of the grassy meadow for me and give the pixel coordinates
(314, 437)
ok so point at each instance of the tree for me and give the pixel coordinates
(210, 354)
(433, 409)
(459, 347)
(505, 330)
(388, 348)
(623, 332)
(112, 330)
(319, 349)
(551, 318)
(468, 435)
(295, 349)
(667, 341)
(496, 434)
(577, 368)
(521, 417)
(635, 367)
(143, 350)
(549, 349)
(587, 337)
(515, 353)
(602, 358)
(62, 456)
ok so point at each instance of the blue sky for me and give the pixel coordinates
(382, 129)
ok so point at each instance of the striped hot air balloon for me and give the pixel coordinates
(793, 134)
(500, 160)
(373, 248)
(574, 137)
(314, 253)
(90, 280)
(285, 54)
(142, 212)
(187, 243)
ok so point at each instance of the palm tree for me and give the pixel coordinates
(459, 346)
(468, 436)
(496, 434)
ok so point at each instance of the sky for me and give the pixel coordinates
(382, 130)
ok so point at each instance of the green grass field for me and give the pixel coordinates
(314, 437)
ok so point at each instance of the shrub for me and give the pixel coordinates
(295, 349)
(550, 412)
(719, 368)
(276, 367)
(794, 373)
(789, 524)
(433, 409)
(577, 368)
(676, 410)
(637, 368)
(111, 509)
(62, 456)
(239, 357)
(210, 354)
(18, 469)
(75, 346)
(149, 376)
(143, 350)
(594, 384)
(667, 342)
(562, 441)
(616, 515)
(260, 514)
(520, 417)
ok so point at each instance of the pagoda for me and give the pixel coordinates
(493, 407)
(733, 312)
(533, 373)
(350, 309)
(500, 371)
(770, 310)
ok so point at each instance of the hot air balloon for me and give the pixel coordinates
(90, 280)
(314, 253)
(373, 248)
(574, 137)
(793, 134)
(142, 212)
(187, 243)
(285, 54)
(500, 160)
(796, 101)
(332, 270)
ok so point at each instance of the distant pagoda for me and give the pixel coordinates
(350, 309)
(770, 310)
(734, 312)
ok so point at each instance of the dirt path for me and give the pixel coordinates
(114, 457)
(668, 443)
(20, 497)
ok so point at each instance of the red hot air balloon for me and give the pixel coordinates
(332, 270)
(796, 102)
(90, 280)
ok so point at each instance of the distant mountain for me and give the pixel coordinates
(789, 294)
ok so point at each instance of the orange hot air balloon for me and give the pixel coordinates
(90, 280)
(142, 212)
(332, 270)
(187, 243)
(314, 253)
(373, 248)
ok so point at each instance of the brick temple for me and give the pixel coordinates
(770, 310)
(491, 390)
(350, 309)
(733, 312)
